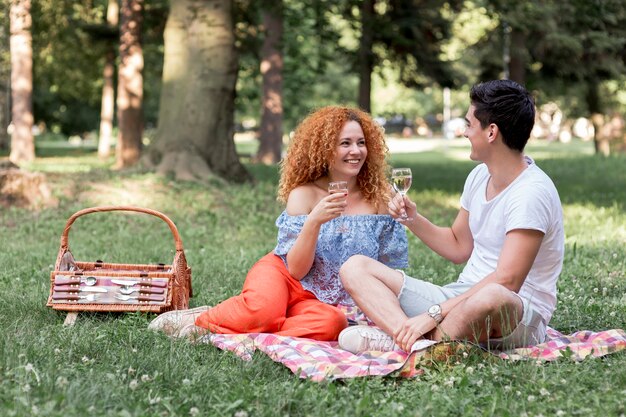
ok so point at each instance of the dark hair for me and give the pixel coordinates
(508, 105)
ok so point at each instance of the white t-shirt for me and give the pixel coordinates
(529, 202)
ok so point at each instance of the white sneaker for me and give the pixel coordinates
(359, 339)
(173, 322)
(191, 332)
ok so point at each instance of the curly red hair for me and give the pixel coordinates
(314, 144)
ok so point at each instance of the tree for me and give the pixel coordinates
(577, 44)
(70, 43)
(314, 63)
(409, 33)
(196, 117)
(22, 140)
(566, 50)
(522, 26)
(597, 52)
(107, 109)
(366, 55)
(130, 85)
(317, 65)
(271, 132)
(67, 65)
(5, 76)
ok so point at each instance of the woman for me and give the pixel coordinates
(293, 290)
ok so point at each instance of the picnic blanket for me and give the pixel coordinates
(318, 361)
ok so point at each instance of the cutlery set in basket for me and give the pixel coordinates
(100, 286)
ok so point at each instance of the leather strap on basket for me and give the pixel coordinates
(65, 236)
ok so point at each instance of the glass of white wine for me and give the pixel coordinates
(339, 187)
(401, 179)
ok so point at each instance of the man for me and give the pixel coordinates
(509, 230)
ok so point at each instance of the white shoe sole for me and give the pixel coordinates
(355, 341)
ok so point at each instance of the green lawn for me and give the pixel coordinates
(109, 364)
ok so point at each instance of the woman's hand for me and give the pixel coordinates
(328, 208)
(413, 329)
(400, 205)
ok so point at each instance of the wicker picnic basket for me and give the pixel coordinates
(101, 286)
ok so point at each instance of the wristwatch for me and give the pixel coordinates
(435, 313)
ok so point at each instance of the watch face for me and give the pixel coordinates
(435, 309)
(435, 312)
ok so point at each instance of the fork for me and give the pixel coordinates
(139, 297)
(128, 289)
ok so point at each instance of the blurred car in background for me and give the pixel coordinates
(453, 128)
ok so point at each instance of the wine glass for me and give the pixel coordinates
(339, 187)
(401, 179)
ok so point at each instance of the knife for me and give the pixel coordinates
(75, 288)
(90, 297)
(139, 297)
(148, 283)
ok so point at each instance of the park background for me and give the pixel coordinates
(186, 107)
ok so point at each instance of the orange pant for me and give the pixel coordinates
(271, 301)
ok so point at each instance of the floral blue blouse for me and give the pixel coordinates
(377, 236)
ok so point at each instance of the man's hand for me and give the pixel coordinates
(399, 205)
(413, 329)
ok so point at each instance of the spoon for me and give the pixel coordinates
(90, 281)
(75, 280)
(128, 289)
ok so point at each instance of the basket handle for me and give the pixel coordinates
(70, 221)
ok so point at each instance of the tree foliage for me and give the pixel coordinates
(566, 50)
(566, 42)
(316, 70)
(413, 33)
(67, 65)
(571, 51)
(69, 42)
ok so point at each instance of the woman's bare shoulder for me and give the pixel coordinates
(381, 208)
(303, 198)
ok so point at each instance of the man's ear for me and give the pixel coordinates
(493, 131)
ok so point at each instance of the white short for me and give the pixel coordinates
(416, 296)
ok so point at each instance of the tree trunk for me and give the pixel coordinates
(5, 90)
(366, 57)
(600, 141)
(196, 115)
(22, 141)
(107, 109)
(271, 138)
(4, 110)
(130, 85)
(24, 189)
(517, 64)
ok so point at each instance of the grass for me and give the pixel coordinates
(110, 365)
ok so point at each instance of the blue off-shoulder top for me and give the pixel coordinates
(377, 236)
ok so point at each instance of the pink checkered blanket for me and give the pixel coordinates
(320, 361)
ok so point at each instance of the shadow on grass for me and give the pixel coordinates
(580, 178)
(49, 151)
